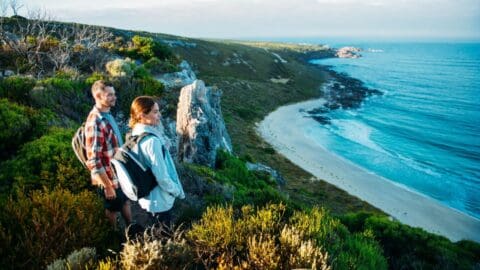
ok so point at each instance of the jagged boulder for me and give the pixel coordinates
(169, 130)
(264, 168)
(349, 52)
(178, 79)
(200, 126)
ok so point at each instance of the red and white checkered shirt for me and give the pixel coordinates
(101, 144)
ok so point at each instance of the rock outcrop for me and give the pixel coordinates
(348, 52)
(200, 126)
(264, 168)
(178, 79)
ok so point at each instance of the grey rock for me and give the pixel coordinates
(348, 52)
(179, 43)
(169, 130)
(200, 126)
(264, 168)
(178, 79)
(7, 73)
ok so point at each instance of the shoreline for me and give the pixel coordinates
(407, 206)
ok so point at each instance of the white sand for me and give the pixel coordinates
(283, 129)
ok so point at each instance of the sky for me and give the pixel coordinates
(382, 19)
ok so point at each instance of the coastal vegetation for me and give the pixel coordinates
(51, 216)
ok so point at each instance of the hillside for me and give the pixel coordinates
(232, 217)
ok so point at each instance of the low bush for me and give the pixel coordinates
(14, 127)
(255, 239)
(156, 66)
(151, 87)
(413, 248)
(120, 67)
(20, 124)
(36, 229)
(346, 250)
(95, 76)
(247, 186)
(66, 97)
(46, 162)
(146, 48)
(17, 89)
(77, 260)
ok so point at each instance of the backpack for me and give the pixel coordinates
(136, 180)
(78, 145)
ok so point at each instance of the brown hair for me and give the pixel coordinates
(100, 85)
(142, 104)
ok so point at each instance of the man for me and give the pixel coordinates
(102, 140)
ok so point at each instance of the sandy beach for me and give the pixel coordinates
(283, 129)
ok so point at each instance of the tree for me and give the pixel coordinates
(41, 46)
(15, 5)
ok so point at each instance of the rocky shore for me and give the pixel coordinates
(342, 92)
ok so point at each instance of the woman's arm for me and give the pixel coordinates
(152, 149)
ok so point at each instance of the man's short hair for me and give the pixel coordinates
(100, 85)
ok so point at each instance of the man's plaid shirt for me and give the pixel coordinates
(101, 144)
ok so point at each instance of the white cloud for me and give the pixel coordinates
(250, 18)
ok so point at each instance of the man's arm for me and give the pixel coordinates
(106, 183)
(94, 145)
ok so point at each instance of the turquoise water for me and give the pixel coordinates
(423, 133)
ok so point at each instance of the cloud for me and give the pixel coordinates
(255, 18)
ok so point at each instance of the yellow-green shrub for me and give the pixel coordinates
(154, 250)
(120, 67)
(249, 238)
(45, 225)
(346, 250)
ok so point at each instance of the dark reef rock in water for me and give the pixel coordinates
(343, 92)
(324, 120)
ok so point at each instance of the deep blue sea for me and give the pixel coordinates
(424, 132)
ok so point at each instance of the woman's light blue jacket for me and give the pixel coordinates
(162, 197)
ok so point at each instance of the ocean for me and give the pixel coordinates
(423, 133)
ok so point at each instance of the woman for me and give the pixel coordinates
(145, 117)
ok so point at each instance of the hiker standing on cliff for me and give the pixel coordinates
(102, 140)
(145, 118)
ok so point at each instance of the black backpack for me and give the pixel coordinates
(78, 145)
(136, 180)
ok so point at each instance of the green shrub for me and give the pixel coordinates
(127, 89)
(155, 66)
(37, 229)
(20, 124)
(413, 248)
(46, 162)
(14, 127)
(66, 97)
(94, 77)
(260, 239)
(221, 239)
(248, 187)
(17, 88)
(146, 48)
(149, 86)
(141, 73)
(346, 251)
